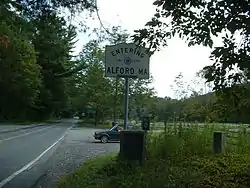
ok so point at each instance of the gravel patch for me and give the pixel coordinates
(77, 147)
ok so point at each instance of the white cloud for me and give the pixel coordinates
(164, 65)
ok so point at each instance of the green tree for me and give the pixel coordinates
(20, 78)
(94, 90)
(53, 42)
(97, 90)
(33, 8)
(102, 93)
(198, 22)
(140, 94)
(35, 56)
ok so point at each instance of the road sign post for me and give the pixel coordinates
(126, 103)
(126, 60)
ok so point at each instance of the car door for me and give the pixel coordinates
(114, 134)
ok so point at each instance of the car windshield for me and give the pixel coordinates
(116, 128)
(112, 128)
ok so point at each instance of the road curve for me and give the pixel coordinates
(21, 150)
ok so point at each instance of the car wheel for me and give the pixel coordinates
(104, 139)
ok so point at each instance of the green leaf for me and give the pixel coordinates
(158, 2)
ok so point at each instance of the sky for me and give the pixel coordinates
(166, 64)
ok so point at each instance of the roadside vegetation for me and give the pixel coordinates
(41, 78)
(174, 160)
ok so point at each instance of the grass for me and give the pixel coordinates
(88, 175)
(179, 157)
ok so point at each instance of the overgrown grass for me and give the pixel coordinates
(89, 175)
(179, 157)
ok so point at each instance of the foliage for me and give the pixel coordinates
(20, 78)
(34, 8)
(36, 46)
(212, 107)
(230, 105)
(54, 33)
(86, 179)
(198, 22)
(41, 79)
(106, 94)
(141, 97)
(174, 160)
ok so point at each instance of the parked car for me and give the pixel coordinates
(112, 134)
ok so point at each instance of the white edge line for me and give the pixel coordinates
(31, 163)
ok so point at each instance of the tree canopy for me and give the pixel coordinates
(199, 23)
(36, 45)
(40, 78)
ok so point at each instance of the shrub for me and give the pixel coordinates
(179, 157)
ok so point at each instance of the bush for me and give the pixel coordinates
(177, 158)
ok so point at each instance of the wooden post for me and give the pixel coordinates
(218, 143)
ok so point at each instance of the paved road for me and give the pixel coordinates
(37, 157)
(23, 153)
(77, 147)
(10, 128)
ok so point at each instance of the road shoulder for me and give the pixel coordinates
(77, 147)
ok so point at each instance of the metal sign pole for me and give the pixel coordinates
(115, 102)
(126, 92)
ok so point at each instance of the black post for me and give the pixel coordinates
(218, 143)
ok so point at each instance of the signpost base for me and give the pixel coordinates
(132, 146)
